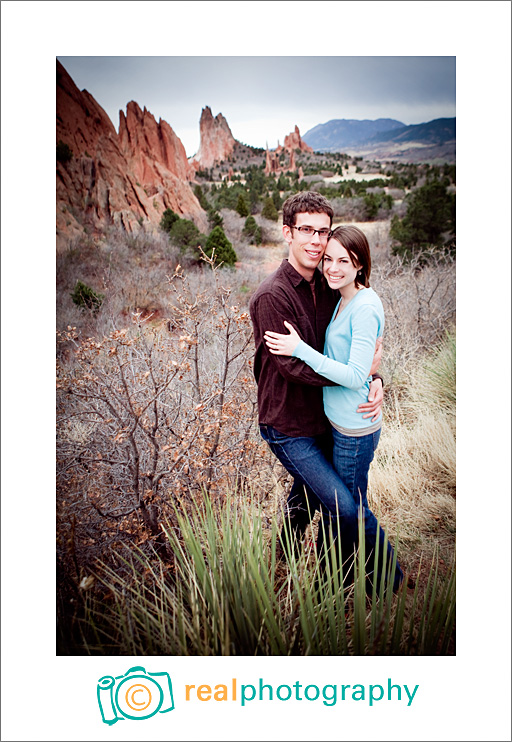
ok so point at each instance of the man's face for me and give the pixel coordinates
(306, 251)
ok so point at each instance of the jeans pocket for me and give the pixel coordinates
(273, 436)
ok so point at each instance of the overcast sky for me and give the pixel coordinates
(263, 98)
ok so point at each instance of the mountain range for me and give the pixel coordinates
(340, 133)
(385, 138)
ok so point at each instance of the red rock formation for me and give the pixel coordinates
(216, 142)
(126, 179)
(293, 141)
(273, 165)
(149, 145)
(271, 162)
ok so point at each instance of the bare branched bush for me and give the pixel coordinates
(349, 209)
(419, 305)
(153, 414)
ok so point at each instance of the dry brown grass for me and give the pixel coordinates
(413, 476)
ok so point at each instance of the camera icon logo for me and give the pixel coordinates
(136, 695)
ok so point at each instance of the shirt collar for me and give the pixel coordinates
(294, 276)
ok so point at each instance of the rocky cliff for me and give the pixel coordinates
(216, 142)
(126, 179)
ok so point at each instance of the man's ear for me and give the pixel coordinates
(287, 233)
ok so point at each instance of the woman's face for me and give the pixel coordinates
(338, 267)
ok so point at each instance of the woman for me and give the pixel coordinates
(350, 339)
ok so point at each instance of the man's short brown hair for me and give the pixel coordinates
(305, 202)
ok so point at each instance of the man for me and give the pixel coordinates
(290, 399)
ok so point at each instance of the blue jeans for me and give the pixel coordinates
(316, 485)
(320, 482)
(352, 457)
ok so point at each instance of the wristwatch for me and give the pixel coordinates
(378, 376)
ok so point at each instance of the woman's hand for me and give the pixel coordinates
(282, 345)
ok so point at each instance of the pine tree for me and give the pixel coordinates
(86, 298)
(269, 210)
(252, 231)
(218, 242)
(185, 235)
(168, 219)
(241, 205)
(430, 214)
(199, 194)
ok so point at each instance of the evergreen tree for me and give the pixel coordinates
(254, 200)
(283, 183)
(224, 252)
(86, 298)
(371, 203)
(199, 194)
(252, 231)
(168, 219)
(276, 198)
(241, 205)
(186, 235)
(214, 218)
(430, 213)
(269, 210)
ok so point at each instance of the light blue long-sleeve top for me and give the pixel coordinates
(349, 349)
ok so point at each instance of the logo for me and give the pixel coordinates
(135, 695)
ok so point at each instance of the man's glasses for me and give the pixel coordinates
(324, 234)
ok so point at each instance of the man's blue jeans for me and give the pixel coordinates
(321, 475)
(316, 485)
(352, 457)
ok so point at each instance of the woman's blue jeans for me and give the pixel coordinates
(352, 457)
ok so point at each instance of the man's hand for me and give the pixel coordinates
(373, 407)
(376, 357)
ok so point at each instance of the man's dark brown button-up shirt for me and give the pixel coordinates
(289, 392)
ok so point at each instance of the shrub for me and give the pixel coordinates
(241, 205)
(218, 242)
(214, 218)
(64, 152)
(269, 210)
(252, 231)
(227, 197)
(185, 235)
(276, 198)
(159, 412)
(168, 219)
(430, 214)
(199, 194)
(86, 298)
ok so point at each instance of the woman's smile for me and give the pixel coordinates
(338, 268)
